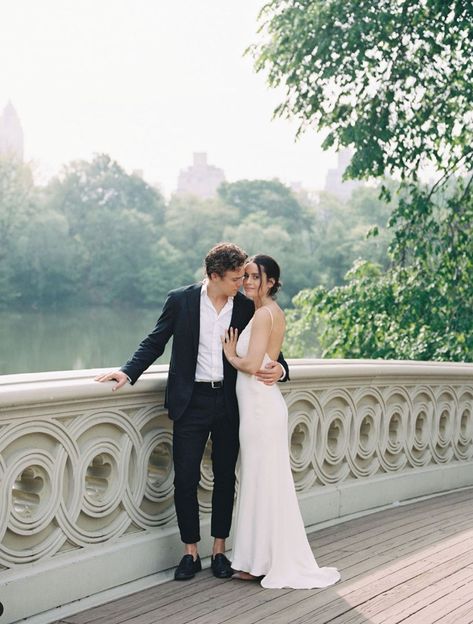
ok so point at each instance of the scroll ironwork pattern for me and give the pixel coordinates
(72, 478)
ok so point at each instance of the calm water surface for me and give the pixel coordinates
(34, 341)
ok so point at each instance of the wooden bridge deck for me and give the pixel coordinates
(411, 564)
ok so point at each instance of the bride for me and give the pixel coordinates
(270, 539)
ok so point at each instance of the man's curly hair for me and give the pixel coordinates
(224, 257)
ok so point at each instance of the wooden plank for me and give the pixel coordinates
(407, 599)
(200, 606)
(388, 534)
(400, 562)
(297, 604)
(360, 591)
(441, 604)
(165, 592)
(417, 541)
(382, 521)
(394, 541)
(460, 615)
(159, 597)
(431, 548)
(107, 618)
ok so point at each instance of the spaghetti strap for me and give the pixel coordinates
(270, 314)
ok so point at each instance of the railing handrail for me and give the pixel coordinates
(43, 387)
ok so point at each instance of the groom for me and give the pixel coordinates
(201, 396)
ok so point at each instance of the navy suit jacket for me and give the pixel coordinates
(180, 319)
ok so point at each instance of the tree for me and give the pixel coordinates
(193, 226)
(118, 247)
(114, 219)
(343, 232)
(272, 219)
(47, 261)
(259, 234)
(163, 273)
(17, 207)
(84, 187)
(392, 80)
(269, 196)
(410, 312)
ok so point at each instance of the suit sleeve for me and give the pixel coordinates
(283, 363)
(154, 344)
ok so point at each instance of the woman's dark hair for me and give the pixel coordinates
(271, 270)
(224, 257)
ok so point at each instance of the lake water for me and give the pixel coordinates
(70, 339)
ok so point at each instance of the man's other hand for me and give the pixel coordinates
(271, 373)
(118, 376)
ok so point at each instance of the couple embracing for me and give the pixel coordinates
(225, 363)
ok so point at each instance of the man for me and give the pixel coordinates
(200, 395)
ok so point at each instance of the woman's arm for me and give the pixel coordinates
(258, 345)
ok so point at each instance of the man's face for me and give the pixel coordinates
(230, 283)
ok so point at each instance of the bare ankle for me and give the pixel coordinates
(191, 549)
(219, 546)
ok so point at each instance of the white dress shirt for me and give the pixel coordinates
(213, 325)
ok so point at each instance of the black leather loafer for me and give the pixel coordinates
(187, 568)
(221, 567)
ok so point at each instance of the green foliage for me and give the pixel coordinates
(419, 309)
(17, 206)
(101, 185)
(164, 272)
(251, 197)
(393, 80)
(96, 235)
(340, 234)
(114, 219)
(258, 233)
(47, 262)
(117, 248)
(313, 241)
(193, 226)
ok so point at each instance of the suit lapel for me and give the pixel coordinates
(193, 308)
(237, 312)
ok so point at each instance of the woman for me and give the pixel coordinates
(270, 539)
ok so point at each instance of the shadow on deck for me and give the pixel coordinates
(411, 564)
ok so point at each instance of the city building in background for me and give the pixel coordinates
(11, 133)
(334, 182)
(200, 179)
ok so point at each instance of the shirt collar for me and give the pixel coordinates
(203, 291)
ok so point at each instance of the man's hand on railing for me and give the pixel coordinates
(118, 376)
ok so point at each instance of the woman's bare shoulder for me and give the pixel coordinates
(272, 313)
(263, 315)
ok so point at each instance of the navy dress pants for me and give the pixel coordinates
(205, 416)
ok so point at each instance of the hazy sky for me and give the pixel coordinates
(148, 82)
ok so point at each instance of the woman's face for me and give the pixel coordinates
(254, 285)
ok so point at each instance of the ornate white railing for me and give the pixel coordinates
(86, 475)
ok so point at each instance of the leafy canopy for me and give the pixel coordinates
(393, 79)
